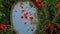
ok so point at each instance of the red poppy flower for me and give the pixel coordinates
(3, 27)
(25, 22)
(22, 17)
(26, 16)
(58, 5)
(21, 6)
(37, 1)
(23, 10)
(26, 12)
(40, 5)
(31, 17)
(50, 25)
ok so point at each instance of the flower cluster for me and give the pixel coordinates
(58, 5)
(39, 3)
(25, 15)
(50, 26)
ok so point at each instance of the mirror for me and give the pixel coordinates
(23, 17)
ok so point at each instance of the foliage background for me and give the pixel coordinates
(47, 14)
(5, 9)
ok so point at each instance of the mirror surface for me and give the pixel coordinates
(21, 14)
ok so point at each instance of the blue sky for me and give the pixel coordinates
(18, 22)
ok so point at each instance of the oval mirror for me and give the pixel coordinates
(23, 17)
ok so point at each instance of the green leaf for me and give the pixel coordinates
(1, 14)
